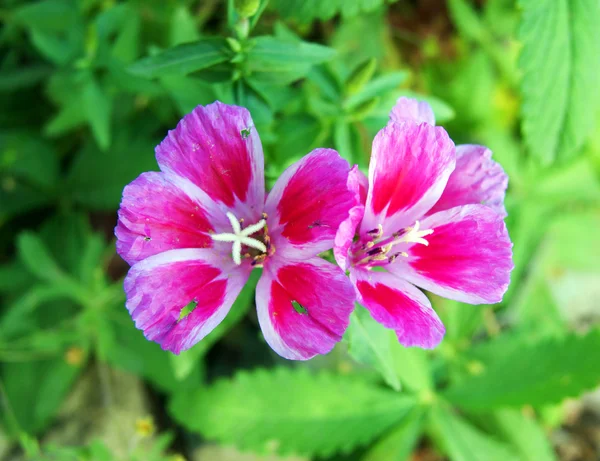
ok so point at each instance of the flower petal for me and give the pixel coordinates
(469, 256)
(477, 179)
(410, 165)
(398, 305)
(157, 215)
(358, 184)
(218, 149)
(303, 307)
(411, 110)
(159, 287)
(308, 203)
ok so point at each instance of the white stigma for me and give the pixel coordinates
(241, 237)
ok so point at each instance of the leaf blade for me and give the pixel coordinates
(291, 411)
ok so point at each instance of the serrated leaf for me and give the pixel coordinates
(291, 411)
(309, 10)
(464, 442)
(399, 443)
(276, 61)
(534, 373)
(560, 65)
(183, 59)
(525, 434)
(369, 344)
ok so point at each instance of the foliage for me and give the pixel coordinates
(88, 88)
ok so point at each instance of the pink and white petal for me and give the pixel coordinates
(320, 290)
(308, 203)
(469, 256)
(345, 235)
(358, 183)
(477, 179)
(410, 165)
(158, 214)
(400, 306)
(411, 110)
(217, 148)
(159, 287)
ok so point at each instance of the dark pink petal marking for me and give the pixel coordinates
(400, 306)
(218, 149)
(304, 307)
(411, 110)
(309, 201)
(477, 179)
(159, 287)
(469, 256)
(410, 165)
(157, 216)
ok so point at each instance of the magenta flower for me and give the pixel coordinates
(430, 215)
(194, 231)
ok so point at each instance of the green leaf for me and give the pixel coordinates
(183, 59)
(377, 87)
(297, 135)
(28, 157)
(347, 141)
(413, 366)
(525, 434)
(56, 28)
(34, 254)
(463, 442)
(280, 62)
(309, 10)
(183, 28)
(532, 373)
(369, 343)
(22, 77)
(400, 442)
(291, 411)
(97, 106)
(129, 350)
(36, 389)
(97, 179)
(560, 65)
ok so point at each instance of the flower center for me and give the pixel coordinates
(377, 250)
(253, 241)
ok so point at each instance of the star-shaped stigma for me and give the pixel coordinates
(241, 237)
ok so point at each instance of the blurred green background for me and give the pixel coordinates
(87, 90)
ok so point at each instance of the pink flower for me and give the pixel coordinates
(429, 215)
(194, 231)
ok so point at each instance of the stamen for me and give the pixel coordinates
(379, 249)
(240, 237)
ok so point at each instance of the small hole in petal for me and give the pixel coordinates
(147, 239)
(245, 133)
(187, 310)
(299, 308)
